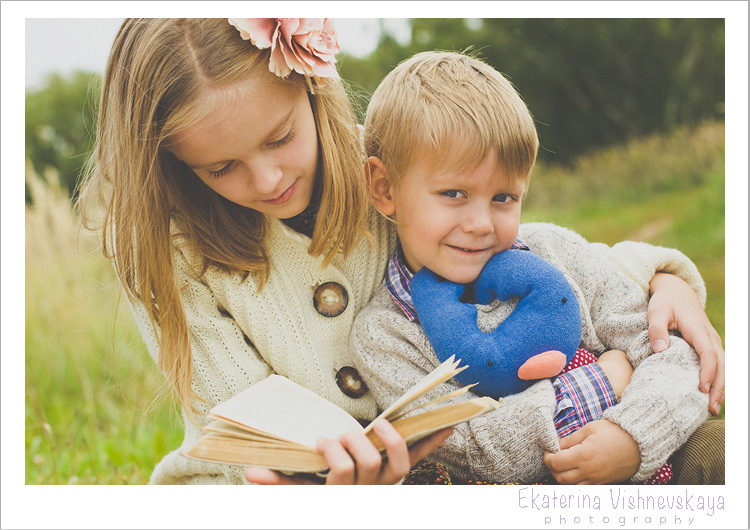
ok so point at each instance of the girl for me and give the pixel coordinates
(214, 156)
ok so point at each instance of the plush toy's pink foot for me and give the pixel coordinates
(542, 365)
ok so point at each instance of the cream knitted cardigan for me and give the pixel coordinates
(239, 336)
(660, 408)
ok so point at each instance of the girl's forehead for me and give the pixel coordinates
(255, 95)
(242, 105)
(228, 121)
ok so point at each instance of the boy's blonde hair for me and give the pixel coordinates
(157, 77)
(454, 107)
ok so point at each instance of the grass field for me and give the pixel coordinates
(664, 190)
(96, 412)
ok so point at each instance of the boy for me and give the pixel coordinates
(451, 147)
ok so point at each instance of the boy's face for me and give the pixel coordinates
(454, 222)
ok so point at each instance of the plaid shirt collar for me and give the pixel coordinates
(398, 280)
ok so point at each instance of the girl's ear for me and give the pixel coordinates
(380, 186)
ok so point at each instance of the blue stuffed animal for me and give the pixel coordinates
(537, 339)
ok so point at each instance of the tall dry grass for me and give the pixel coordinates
(95, 412)
(651, 165)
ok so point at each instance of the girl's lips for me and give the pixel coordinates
(284, 197)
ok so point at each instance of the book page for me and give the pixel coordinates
(442, 373)
(414, 428)
(218, 448)
(284, 409)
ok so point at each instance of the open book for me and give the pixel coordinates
(275, 423)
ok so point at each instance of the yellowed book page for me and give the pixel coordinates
(421, 425)
(286, 410)
(442, 373)
(220, 449)
(235, 431)
(407, 411)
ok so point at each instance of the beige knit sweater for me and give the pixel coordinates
(660, 408)
(239, 336)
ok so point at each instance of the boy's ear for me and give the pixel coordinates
(380, 186)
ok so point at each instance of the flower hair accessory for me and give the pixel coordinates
(305, 45)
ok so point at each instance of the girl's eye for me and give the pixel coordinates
(453, 194)
(220, 173)
(285, 140)
(503, 198)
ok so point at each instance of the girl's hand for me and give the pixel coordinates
(352, 459)
(600, 452)
(674, 305)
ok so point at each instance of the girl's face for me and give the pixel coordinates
(258, 147)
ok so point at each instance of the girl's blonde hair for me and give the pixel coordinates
(157, 74)
(454, 107)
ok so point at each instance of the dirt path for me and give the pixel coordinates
(651, 230)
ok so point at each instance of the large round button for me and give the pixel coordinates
(330, 299)
(350, 382)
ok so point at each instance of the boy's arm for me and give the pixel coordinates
(506, 445)
(662, 406)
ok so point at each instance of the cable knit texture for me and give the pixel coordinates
(660, 408)
(239, 336)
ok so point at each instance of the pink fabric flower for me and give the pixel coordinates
(305, 45)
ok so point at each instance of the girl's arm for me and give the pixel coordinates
(352, 459)
(678, 296)
(674, 305)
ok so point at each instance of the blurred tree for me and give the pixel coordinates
(60, 125)
(588, 82)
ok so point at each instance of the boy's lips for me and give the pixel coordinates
(284, 197)
(469, 250)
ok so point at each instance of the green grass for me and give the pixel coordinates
(690, 220)
(94, 414)
(647, 201)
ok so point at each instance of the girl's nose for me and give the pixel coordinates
(265, 176)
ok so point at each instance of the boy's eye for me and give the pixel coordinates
(220, 173)
(503, 198)
(453, 194)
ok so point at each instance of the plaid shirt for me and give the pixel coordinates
(398, 280)
(582, 394)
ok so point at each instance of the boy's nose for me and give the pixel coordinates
(478, 221)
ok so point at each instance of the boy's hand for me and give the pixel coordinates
(674, 305)
(601, 452)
